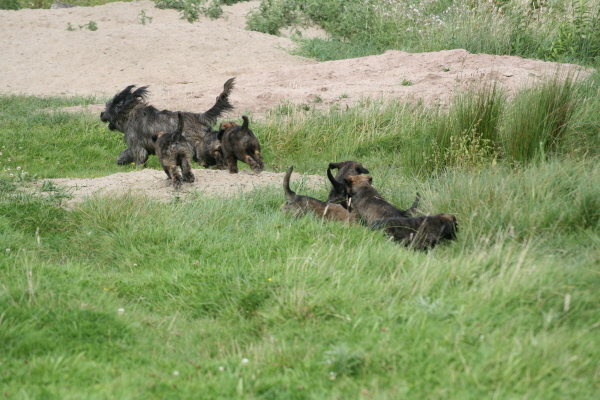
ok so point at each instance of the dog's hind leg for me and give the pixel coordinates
(253, 164)
(232, 163)
(186, 169)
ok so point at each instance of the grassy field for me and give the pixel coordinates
(228, 298)
(225, 298)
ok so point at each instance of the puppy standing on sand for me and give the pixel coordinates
(128, 112)
(297, 205)
(173, 151)
(240, 143)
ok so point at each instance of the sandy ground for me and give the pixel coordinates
(186, 65)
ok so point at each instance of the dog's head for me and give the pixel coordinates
(348, 168)
(116, 111)
(449, 226)
(353, 183)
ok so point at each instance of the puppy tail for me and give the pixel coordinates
(415, 205)
(222, 104)
(245, 124)
(289, 194)
(179, 130)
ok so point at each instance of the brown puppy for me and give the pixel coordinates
(368, 204)
(173, 151)
(130, 113)
(420, 232)
(302, 205)
(337, 193)
(240, 143)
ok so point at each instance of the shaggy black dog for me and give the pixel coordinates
(128, 112)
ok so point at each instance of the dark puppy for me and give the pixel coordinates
(420, 232)
(240, 143)
(368, 204)
(337, 193)
(128, 112)
(209, 151)
(173, 151)
(297, 206)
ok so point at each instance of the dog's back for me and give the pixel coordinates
(420, 232)
(240, 143)
(368, 204)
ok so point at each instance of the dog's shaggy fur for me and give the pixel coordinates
(337, 193)
(421, 232)
(173, 151)
(129, 113)
(368, 204)
(240, 143)
(297, 205)
(210, 153)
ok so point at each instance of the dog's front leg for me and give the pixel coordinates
(125, 157)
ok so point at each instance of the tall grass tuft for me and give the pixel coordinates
(539, 118)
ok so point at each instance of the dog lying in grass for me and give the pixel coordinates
(297, 205)
(240, 143)
(368, 204)
(420, 232)
(423, 232)
(173, 151)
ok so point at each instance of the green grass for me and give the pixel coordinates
(318, 310)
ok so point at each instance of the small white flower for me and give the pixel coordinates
(0, 153)
(121, 311)
(18, 168)
(221, 369)
(332, 375)
(9, 159)
(245, 361)
(135, 265)
(11, 175)
(175, 373)
(8, 250)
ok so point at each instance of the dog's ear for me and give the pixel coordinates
(221, 132)
(141, 93)
(362, 170)
(334, 165)
(370, 180)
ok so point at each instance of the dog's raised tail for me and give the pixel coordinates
(338, 187)
(289, 194)
(179, 130)
(222, 104)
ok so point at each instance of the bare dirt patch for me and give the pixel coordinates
(186, 65)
